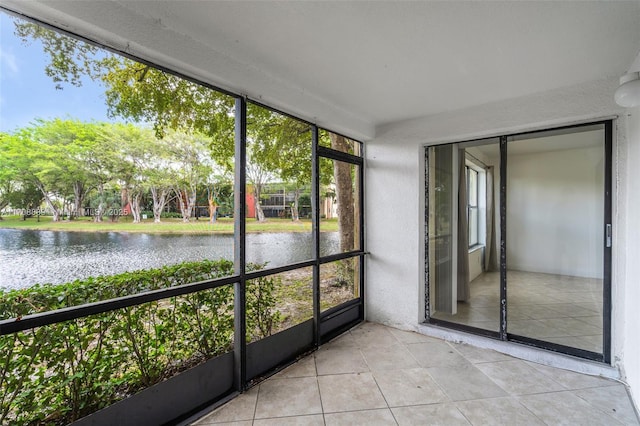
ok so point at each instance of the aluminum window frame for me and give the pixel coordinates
(322, 331)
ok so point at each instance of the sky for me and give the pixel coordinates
(27, 93)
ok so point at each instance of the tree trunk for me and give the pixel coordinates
(192, 200)
(259, 212)
(213, 207)
(133, 199)
(344, 195)
(78, 198)
(345, 273)
(186, 202)
(159, 201)
(295, 213)
(97, 215)
(49, 202)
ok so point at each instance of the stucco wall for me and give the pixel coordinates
(395, 201)
(631, 347)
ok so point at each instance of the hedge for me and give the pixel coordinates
(62, 372)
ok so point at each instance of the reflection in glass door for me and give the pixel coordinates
(463, 204)
(519, 238)
(555, 223)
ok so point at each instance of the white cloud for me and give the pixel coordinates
(8, 60)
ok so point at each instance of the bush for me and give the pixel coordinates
(61, 372)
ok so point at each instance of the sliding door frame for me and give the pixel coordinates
(503, 333)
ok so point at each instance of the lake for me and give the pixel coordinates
(28, 257)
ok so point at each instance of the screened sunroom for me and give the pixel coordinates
(197, 195)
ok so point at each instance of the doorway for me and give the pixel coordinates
(518, 240)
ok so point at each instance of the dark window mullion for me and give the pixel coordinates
(503, 238)
(239, 252)
(606, 282)
(315, 218)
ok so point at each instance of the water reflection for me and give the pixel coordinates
(28, 257)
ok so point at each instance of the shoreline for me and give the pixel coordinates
(169, 227)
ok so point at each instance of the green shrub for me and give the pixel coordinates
(61, 372)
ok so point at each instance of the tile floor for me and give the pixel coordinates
(554, 308)
(376, 375)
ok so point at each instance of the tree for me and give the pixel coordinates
(159, 177)
(133, 157)
(219, 193)
(191, 167)
(141, 93)
(7, 179)
(26, 198)
(344, 195)
(34, 163)
(285, 148)
(73, 144)
(6, 188)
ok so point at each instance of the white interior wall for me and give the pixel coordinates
(555, 211)
(475, 263)
(395, 178)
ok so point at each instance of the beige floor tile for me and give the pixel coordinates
(570, 379)
(411, 336)
(350, 392)
(288, 397)
(572, 310)
(537, 329)
(313, 420)
(343, 341)
(477, 355)
(437, 414)
(518, 378)
(613, 401)
(381, 417)
(595, 306)
(589, 343)
(239, 423)
(592, 343)
(305, 367)
(389, 358)
(565, 408)
(436, 354)
(484, 325)
(498, 411)
(491, 313)
(465, 382)
(409, 387)
(371, 335)
(595, 320)
(573, 326)
(242, 407)
(340, 361)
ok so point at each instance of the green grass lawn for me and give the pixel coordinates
(167, 226)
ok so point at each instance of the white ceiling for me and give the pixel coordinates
(355, 65)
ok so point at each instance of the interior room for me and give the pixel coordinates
(555, 221)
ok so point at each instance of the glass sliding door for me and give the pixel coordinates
(555, 247)
(518, 238)
(463, 201)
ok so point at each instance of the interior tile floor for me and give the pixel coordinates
(555, 308)
(376, 375)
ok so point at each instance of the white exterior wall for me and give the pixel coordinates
(395, 203)
(631, 334)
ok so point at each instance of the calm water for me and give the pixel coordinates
(28, 257)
